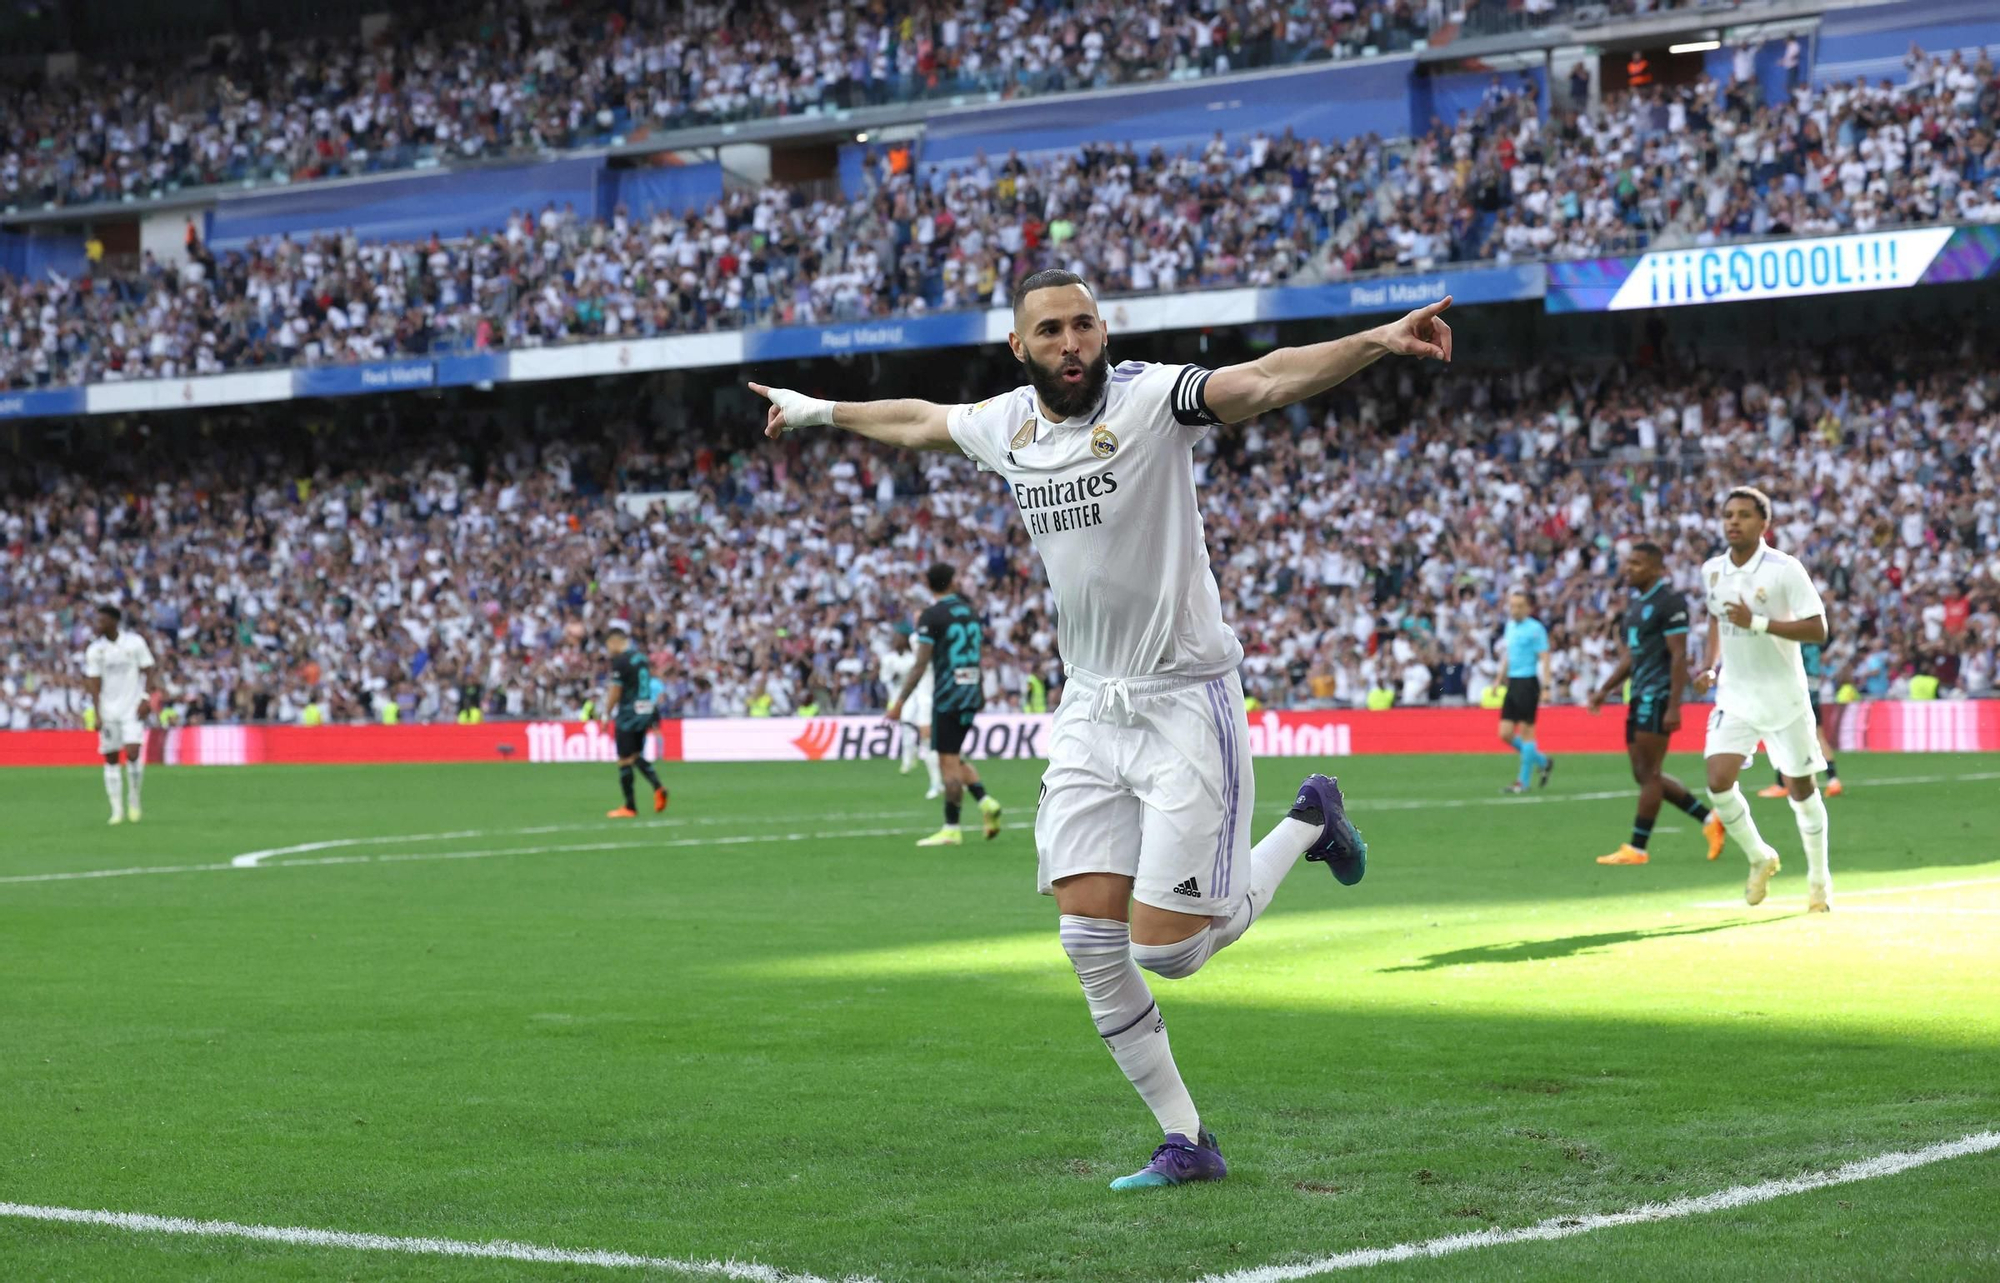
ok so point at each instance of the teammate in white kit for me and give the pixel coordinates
(1761, 607)
(114, 671)
(1142, 833)
(914, 725)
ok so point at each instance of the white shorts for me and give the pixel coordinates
(114, 733)
(917, 710)
(1793, 748)
(1150, 779)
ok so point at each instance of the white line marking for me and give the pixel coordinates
(1547, 1231)
(252, 859)
(500, 1250)
(1843, 896)
(743, 839)
(81, 874)
(1943, 910)
(1570, 1226)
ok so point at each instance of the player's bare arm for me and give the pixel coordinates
(612, 697)
(1704, 679)
(911, 680)
(906, 423)
(1613, 682)
(1279, 378)
(1811, 630)
(1677, 678)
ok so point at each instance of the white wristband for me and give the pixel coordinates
(802, 411)
(1760, 623)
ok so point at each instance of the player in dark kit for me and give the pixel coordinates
(632, 714)
(1654, 632)
(950, 639)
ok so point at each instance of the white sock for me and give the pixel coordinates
(910, 747)
(1270, 860)
(135, 771)
(1128, 1019)
(1735, 813)
(1811, 815)
(114, 788)
(931, 764)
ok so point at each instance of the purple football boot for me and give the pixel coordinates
(1179, 1161)
(1340, 847)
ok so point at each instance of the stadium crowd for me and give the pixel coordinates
(1362, 543)
(1663, 167)
(557, 77)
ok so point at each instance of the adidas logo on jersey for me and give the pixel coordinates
(1188, 888)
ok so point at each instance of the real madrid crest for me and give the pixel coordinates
(1762, 594)
(1024, 434)
(1102, 443)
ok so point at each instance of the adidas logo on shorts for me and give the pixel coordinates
(1188, 888)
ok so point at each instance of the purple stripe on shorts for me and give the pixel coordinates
(1225, 737)
(1237, 764)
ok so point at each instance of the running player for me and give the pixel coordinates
(1141, 835)
(634, 712)
(114, 675)
(1655, 638)
(1526, 643)
(914, 722)
(949, 640)
(1761, 607)
(1814, 655)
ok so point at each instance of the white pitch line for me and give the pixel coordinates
(1912, 888)
(499, 1250)
(742, 839)
(82, 874)
(1569, 1226)
(1941, 910)
(751, 1272)
(252, 859)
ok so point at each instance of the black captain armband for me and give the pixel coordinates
(1190, 398)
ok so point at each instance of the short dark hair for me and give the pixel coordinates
(1046, 279)
(940, 576)
(1650, 548)
(1754, 495)
(1527, 593)
(117, 615)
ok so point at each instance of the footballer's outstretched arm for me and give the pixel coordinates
(910, 680)
(1277, 379)
(913, 425)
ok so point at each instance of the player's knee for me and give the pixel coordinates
(1089, 941)
(1179, 960)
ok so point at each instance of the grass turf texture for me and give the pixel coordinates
(843, 1055)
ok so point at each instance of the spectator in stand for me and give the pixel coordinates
(1363, 541)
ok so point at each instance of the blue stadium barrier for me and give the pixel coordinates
(1341, 100)
(461, 203)
(1870, 43)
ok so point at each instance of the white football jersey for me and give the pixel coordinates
(118, 662)
(1109, 500)
(1763, 677)
(896, 665)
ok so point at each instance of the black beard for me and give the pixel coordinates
(1068, 400)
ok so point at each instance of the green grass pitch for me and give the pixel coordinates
(769, 1029)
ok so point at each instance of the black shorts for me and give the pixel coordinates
(1646, 714)
(948, 732)
(1524, 696)
(632, 743)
